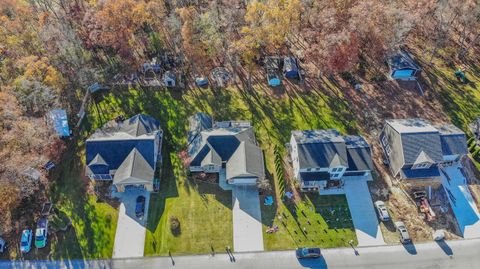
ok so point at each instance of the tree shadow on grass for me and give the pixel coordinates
(168, 189)
(333, 209)
(69, 193)
(223, 196)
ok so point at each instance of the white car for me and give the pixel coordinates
(402, 230)
(382, 211)
(439, 235)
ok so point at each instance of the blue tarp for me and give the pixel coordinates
(59, 121)
(290, 68)
(268, 200)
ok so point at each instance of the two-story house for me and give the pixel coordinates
(228, 148)
(415, 148)
(126, 152)
(321, 159)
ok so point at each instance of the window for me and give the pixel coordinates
(388, 150)
(422, 166)
(309, 169)
(335, 175)
(384, 141)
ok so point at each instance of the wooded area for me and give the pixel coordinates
(51, 51)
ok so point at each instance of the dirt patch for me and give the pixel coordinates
(204, 177)
(402, 207)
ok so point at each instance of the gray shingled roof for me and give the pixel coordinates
(136, 126)
(314, 176)
(329, 154)
(359, 153)
(139, 125)
(134, 170)
(198, 122)
(224, 145)
(454, 144)
(247, 161)
(97, 160)
(230, 142)
(212, 157)
(415, 141)
(327, 148)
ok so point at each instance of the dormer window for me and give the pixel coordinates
(422, 166)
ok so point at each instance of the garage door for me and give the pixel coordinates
(244, 181)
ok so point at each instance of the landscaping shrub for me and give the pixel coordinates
(279, 170)
(174, 225)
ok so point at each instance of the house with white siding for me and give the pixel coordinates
(322, 159)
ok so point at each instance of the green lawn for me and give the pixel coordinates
(204, 211)
(322, 221)
(94, 223)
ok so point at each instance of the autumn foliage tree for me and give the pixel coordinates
(122, 27)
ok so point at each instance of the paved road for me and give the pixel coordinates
(247, 219)
(431, 255)
(363, 213)
(130, 234)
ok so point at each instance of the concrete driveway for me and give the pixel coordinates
(247, 219)
(461, 200)
(363, 213)
(130, 234)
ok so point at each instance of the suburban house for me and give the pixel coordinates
(403, 67)
(322, 159)
(414, 148)
(126, 152)
(228, 148)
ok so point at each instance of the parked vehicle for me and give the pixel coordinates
(402, 230)
(41, 233)
(140, 207)
(201, 81)
(26, 241)
(308, 253)
(439, 235)
(3, 245)
(382, 211)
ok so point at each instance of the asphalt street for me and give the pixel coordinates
(449, 254)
